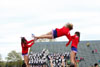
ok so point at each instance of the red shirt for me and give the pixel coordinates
(25, 48)
(75, 41)
(63, 31)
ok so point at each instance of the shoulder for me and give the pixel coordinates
(76, 37)
(66, 29)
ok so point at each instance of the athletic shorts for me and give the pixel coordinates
(24, 54)
(54, 33)
(74, 49)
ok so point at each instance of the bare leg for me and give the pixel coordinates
(75, 62)
(48, 35)
(26, 61)
(72, 58)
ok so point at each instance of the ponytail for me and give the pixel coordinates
(23, 40)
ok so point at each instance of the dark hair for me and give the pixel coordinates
(96, 64)
(23, 40)
(78, 34)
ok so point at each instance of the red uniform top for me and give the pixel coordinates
(63, 31)
(75, 41)
(25, 47)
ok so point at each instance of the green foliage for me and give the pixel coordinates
(0, 57)
(14, 56)
(14, 64)
(2, 64)
(14, 59)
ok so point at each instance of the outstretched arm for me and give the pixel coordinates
(68, 43)
(70, 38)
(30, 43)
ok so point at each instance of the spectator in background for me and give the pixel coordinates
(96, 65)
(63, 61)
(51, 63)
(60, 64)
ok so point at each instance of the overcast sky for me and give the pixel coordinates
(24, 17)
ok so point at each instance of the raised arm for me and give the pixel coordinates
(68, 43)
(30, 43)
(70, 39)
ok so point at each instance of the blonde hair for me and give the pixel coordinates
(69, 25)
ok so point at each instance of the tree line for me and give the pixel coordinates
(13, 59)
